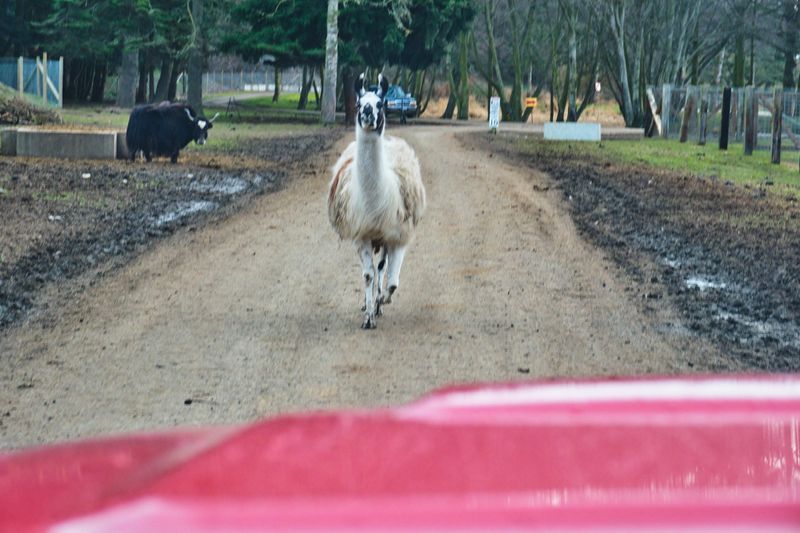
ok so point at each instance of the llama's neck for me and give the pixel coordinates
(371, 168)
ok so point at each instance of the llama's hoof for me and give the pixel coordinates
(369, 323)
(388, 298)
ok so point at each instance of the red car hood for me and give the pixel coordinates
(708, 454)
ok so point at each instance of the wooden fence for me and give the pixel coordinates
(758, 118)
(40, 77)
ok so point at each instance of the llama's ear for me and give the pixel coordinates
(359, 86)
(383, 84)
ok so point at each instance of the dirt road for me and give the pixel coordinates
(259, 314)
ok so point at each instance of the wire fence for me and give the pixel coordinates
(673, 101)
(29, 74)
(255, 80)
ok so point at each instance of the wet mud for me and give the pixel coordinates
(726, 256)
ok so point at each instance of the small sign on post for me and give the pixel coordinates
(494, 113)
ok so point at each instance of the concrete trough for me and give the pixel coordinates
(122, 146)
(572, 131)
(8, 141)
(66, 144)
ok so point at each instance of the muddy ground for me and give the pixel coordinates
(60, 219)
(728, 257)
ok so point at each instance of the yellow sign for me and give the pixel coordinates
(531, 102)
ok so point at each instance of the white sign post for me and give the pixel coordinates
(494, 113)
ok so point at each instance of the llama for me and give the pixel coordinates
(376, 199)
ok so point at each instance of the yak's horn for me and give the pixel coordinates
(214, 117)
(189, 114)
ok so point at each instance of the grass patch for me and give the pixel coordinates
(227, 133)
(87, 115)
(285, 101)
(708, 161)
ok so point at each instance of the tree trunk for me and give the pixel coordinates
(789, 29)
(194, 94)
(562, 98)
(452, 99)
(463, 77)
(348, 84)
(718, 79)
(162, 89)
(151, 79)
(305, 87)
(172, 93)
(141, 88)
(688, 113)
(572, 69)
(317, 92)
(421, 108)
(518, 42)
(777, 124)
(738, 61)
(126, 84)
(276, 94)
(494, 76)
(750, 116)
(99, 82)
(753, 48)
(618, 30)
(703, 126)
(331, 60)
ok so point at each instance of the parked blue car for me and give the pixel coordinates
(398, 102)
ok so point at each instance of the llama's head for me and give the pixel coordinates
(370, 113)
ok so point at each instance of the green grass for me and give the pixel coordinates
(95, 115)
(285, 101)
(706, 160)
(226, 132)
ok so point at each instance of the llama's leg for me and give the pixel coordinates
(381, 271)
(368, 272)
(396, 255)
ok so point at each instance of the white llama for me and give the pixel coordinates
(376, 198)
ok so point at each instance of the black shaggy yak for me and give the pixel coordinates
(164, 129)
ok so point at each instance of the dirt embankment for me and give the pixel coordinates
(728, 257)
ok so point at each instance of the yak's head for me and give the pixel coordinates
(370, 113)
(201, 126)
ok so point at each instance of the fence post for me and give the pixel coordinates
(688, 109)
(703, 116)
(777, 122)
(61, 82)
(45, 77)
(666, 109)
(20, 77)
(725, 119)
(750, 117)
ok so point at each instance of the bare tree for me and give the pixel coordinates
(126, 84)
(195, 67)
(518, 18)
(331, 64)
